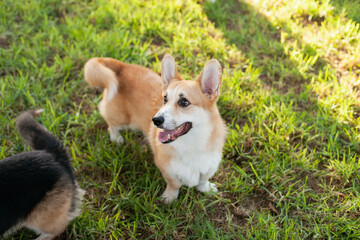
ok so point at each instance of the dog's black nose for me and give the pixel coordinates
(158, 121)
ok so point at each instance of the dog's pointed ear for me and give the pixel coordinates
(210, 79)
(168, 70)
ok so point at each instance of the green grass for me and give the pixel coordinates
(290, 98)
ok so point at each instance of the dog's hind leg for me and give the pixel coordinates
(45, 236)
(115, 135)
(51, 216)
(113, 124)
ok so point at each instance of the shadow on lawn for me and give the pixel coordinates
(260, 41)
(351, 8)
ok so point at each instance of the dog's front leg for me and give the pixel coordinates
(172, 189)
(204, 184)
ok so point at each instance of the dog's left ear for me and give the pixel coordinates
(169, 70)
(210, 79)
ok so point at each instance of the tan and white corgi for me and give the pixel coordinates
(179, 117)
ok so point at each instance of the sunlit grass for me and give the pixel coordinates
(290, 98)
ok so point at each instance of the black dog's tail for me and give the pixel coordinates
(39, 138)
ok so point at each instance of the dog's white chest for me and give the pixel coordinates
(188, 168)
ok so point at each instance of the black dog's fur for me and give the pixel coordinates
(30, 178)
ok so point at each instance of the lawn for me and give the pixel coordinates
(290, 98)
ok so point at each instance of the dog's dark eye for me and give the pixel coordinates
(183, 102)
(165, 99)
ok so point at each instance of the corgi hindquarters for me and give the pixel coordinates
(98, 75)
(41, 191)
(131, 94)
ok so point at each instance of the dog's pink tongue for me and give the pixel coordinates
(166, 135)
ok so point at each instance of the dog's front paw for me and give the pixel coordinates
(168, 198)
(207, 187)
(213, 188)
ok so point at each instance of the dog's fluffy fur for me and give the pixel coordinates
(38, 189)
(189, 135)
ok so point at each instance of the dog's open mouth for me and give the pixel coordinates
(167, 136)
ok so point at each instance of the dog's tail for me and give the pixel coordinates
(97, 74)
(39, 138)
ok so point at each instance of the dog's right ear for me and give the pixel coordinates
(168, 70)
(210, 79)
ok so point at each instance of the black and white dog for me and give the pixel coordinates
(37, 188)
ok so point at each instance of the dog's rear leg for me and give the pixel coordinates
(45, 236)
(50, 217)
(115, 135)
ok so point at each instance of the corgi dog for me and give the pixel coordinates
(37, 188)
(179, 117)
